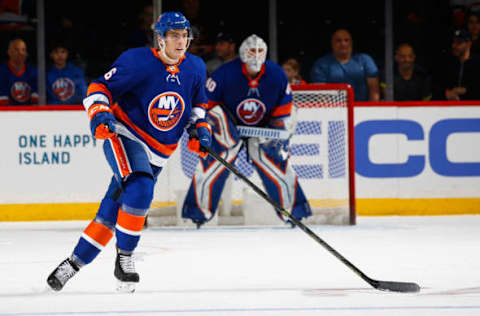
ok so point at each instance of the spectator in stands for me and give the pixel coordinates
(411, 81)
(456, 78)
(341, 66)
(18, 78)
(66, 82)
(201, 43)
(292, 69)
(142, 35)
(473, 26)
(225, 50)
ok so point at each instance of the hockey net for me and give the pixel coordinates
(321, 150)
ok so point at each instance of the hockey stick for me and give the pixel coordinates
(379, 285)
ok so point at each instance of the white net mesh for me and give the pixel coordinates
(319, 147)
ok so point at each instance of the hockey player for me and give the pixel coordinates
(253, 91)
(140, 107)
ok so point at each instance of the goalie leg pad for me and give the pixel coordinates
(301, 207)
(223, 128)
(206, 188)
(280, 182)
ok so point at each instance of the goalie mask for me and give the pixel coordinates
(253, 52)
(171, 21)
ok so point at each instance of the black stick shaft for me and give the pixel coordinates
(382, 285)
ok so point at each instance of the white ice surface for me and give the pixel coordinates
(253, 271)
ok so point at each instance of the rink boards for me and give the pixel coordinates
(411, 159)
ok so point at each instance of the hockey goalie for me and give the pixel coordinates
(248, 91)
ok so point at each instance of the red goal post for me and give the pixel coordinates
(333, 96)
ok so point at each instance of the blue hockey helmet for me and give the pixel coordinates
(172, 21)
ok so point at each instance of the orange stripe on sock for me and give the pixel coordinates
(129, 221)
(99, 232)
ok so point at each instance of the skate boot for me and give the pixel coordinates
(125, 273)
(64, 272)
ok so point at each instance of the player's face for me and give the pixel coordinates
(59, 57)
(17, 51)
(176, 43)
(255, 52)
(256, 55)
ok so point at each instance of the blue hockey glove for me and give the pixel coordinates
(102, 125)
(200, 134)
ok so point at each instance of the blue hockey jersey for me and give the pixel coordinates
(66, 86)
(251, 101)
(152, 101)
(18, 88)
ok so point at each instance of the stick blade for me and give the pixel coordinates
(404, 287)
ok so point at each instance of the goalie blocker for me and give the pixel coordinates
(268, 156)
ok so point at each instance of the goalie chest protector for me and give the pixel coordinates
(250, 100)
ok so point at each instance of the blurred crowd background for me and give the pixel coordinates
(98, 31)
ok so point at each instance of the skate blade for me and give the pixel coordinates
(126, 287)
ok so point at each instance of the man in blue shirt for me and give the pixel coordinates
(341, 66)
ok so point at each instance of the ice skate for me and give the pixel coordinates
(125, 273)
(64, 272)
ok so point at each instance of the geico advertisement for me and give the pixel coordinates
(416, 152)
(50, 156)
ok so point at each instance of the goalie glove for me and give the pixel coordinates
(102, 121)
(200, 134)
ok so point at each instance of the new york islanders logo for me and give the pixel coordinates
(63, 88)
(20, 91)
(251, 111)
(165, 110)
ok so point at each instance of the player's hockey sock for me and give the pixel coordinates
(129, 227)
(137, 196)
(94, 238)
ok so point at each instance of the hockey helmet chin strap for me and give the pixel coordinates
(253, 52)
(161, 46)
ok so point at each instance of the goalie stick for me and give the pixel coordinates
(406, 287)
(251, 131)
